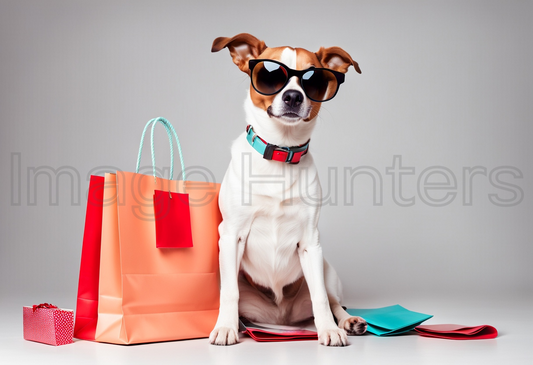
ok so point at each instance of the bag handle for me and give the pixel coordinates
(170, 131)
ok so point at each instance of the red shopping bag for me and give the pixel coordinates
(87, 302)
(131, 291)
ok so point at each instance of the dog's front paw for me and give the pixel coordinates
(223, 336)
(354, 326)
(333, 337)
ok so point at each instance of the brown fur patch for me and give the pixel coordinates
(306, 59)
(272, 53)
(290, 290)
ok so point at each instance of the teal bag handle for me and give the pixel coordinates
(170, 131)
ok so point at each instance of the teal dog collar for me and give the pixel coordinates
(291, 155)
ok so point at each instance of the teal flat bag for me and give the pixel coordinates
(390, 321)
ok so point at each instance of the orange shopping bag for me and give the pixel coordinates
(150, 294)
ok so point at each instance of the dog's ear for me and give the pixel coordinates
(242, 48)
(337, 59)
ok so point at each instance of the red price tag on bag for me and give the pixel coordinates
(172, 220)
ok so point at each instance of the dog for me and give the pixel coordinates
(271, 264)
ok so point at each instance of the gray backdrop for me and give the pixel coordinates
(425, 157)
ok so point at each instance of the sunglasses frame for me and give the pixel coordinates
(298, 73)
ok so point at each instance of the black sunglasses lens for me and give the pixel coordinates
(319, 85)
(268, 77)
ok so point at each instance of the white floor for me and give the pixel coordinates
(512, 317)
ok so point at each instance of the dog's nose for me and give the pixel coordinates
(293, 98)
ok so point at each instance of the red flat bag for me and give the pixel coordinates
(457, 331)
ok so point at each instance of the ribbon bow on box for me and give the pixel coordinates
(44, 305)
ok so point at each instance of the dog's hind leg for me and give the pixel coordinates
(259, 304)
(353, 325)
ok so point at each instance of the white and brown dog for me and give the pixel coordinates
(271, 264)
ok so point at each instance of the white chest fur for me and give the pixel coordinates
(271, 257)
(273, 204)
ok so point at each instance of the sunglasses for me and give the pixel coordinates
(269, 77)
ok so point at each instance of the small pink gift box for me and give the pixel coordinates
(48, 324)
